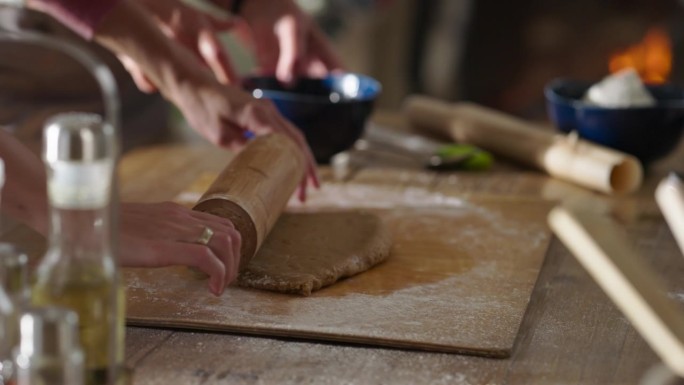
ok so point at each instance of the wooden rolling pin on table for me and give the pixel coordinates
(564, 157)
(254, 188)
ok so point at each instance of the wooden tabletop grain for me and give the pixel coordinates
(571, 333)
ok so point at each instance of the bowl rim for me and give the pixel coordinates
(551, 94)
(290, 96)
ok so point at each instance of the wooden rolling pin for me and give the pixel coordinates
(254, 188)
(606, 251)
(564, 157)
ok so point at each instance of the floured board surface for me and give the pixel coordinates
(458, 279)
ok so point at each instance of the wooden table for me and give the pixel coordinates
(571, 334)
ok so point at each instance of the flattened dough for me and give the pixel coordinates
(307, 251)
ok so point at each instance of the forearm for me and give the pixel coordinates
(129, 30)
(24, 196)
(82, 16)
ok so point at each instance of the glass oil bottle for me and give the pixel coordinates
(48, 351)
(7, 336)
(14, 298)
(79, 270)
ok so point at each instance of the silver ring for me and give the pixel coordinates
(205, 237)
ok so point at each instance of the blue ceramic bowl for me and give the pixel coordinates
(649, 133)
(331, 111)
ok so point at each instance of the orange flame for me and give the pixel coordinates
(651, 58)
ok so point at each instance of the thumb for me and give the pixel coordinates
(292, 44)
(141, 80)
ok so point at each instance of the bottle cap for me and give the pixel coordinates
(79, 150)
(77, 137)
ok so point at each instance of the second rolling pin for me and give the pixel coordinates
(565, 157)
(254, 188)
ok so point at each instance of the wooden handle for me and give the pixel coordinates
(670, 198)
(568, 158)
(254, 188)
(607, 254)
(484, 127)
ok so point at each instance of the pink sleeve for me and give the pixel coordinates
(82, 16)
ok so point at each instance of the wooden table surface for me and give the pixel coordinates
(571, 333)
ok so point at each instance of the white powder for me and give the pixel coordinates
(470, 295)
(619, 90)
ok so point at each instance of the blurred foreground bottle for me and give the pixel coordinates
(49, 351)
(79, 271)
(14, 297)
(7, 336)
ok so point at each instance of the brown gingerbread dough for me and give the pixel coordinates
(308, 251)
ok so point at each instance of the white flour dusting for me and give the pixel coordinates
(471, 297)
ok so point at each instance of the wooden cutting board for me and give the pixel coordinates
(459, 278)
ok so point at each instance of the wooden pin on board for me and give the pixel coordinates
(254, 188)
(565, 157)
(604, 251)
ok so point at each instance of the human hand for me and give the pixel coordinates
(166, 234)
(224, 114)
(287, 41)
(194, 29)
(227, 116)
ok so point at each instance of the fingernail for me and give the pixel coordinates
(216, 288)
(287, 79)
(249, 135)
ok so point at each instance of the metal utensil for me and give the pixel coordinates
(381, 146)
(430, 153)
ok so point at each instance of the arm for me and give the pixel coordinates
(24, 195)
(285, 40)
(222, 114)
(198, 31)
(80, 15)
(152, 235)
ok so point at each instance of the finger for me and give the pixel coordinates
(171, 253)
(312, 170)
(214, 54)
(314, 68)
(139, 78)
(310, 176)
(302, 190)
(292, 44)
(222, 244)
(237, 247)
(314, 177)
(204, 259)
(211, 219)
(323, 51)
(232, 135)
(242, 31)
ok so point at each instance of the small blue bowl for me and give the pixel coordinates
(649, 133)
(331, 111)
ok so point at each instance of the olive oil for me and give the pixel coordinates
(49, 351)
(88, 294)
